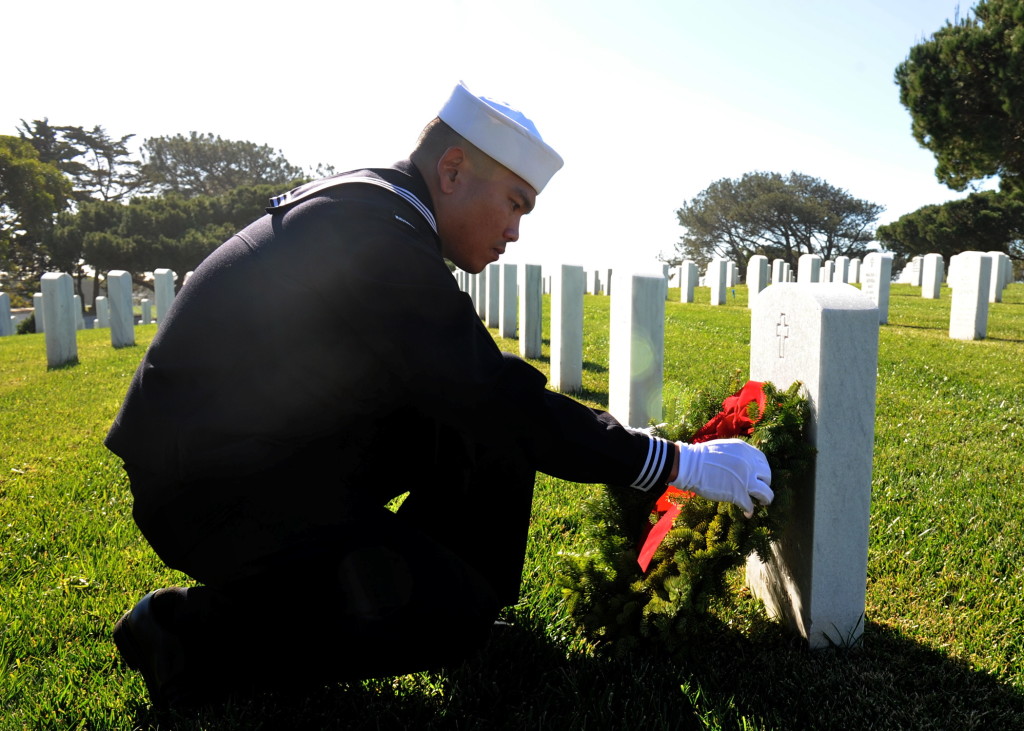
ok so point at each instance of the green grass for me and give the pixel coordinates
(944, 637)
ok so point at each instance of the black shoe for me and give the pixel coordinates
(146, 639)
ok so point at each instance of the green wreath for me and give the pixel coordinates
(621, 607)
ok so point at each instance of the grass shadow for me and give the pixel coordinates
(1004, 340)
(65, 366)
(523, 679)
(598, 397)
(887, 681)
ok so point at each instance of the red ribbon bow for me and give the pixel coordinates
(732, 421)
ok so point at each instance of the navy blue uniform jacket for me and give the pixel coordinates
(332, 327)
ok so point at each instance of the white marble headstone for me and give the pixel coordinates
(778, 271)
(826, 337)
(122, 316)
(1000, 275)
(876, 279)
(530, 311)
(493, 294)
(39, 312)
(509, 301)
(567, 328)
(841, 270)
(968, 311)
(6, 326)
(718, 270)
(79, 317)
(480, 293)
(933, 270)
(163, 286)
(808, 268)
(637, 349)
(687, 281)
(102, 312)
(61, 319)
(757, 277)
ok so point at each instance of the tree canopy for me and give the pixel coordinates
(987, 221)
(779, 216)
(75, 199)
(202, 164)
(964, 89)
(97, 165)
(149, 232)
(32, 191)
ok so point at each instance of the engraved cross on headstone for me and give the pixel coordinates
(782, 332)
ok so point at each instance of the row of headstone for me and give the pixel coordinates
(721, 274)
(920, 272)
(969, 278)
(928, 273)
(637, 312)
(911, 272)
(687, 276)
(815, 269)
(1000, 266)
(508, 298)
(58, 311)
(875, 275)
(976, 279)
(596, 281)
(968, 316)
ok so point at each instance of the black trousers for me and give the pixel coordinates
(303, 578)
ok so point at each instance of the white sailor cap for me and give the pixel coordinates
(503, 133)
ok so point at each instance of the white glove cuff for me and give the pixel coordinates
(691, 460)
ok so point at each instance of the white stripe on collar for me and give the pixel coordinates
(301, 193)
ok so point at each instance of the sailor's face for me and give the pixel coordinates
(483, 214)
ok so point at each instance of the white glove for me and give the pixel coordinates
(725, 470)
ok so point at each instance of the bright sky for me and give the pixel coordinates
(649, 101)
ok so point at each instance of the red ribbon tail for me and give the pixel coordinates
(656, 536)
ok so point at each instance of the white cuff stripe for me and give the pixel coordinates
(657, 450)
